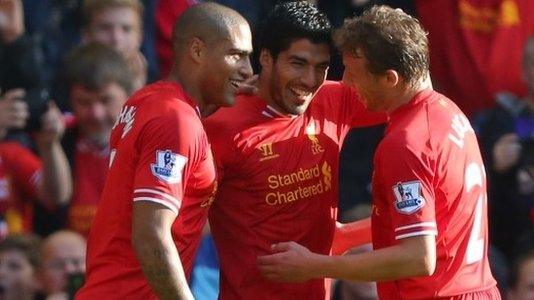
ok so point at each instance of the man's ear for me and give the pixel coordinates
(266, 59)
(392, 78)
(197, 49)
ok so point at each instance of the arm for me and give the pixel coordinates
(153, 244)
(414, 256)
(351, 235)
(56, 184)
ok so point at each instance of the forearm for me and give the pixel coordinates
(162, 266)
(57, 178)
(390, 263)
(351, 235)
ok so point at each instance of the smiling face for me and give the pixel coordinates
(225, 66)
(293, 78)
(371, 87)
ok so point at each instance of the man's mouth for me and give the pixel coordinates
(301, 95)
(235, 83)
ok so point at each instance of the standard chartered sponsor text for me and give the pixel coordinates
(314, 185)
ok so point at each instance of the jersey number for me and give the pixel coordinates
(474, 176)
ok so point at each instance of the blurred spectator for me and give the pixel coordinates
(23, 176)
(522, 277)
(20, 65)
(99, 82)
(62, 263)
(507, 135)
(119, 24)
(22, 68)
(475, 47)
(19, 261)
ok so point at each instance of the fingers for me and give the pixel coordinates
(281, 247)
(249, 86)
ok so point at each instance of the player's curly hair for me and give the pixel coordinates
(290, 21)
(390, 40)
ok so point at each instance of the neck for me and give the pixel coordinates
(264, 92)
(406, 92)
(189, 83)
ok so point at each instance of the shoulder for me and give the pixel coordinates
(231, 120)
(334, 90)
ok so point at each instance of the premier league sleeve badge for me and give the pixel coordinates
(408, 197)
(169, 166)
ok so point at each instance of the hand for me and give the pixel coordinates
(291, 263)
(52, 126)
(506, 152)
(11, 20)
(249, 86)
(13, 110)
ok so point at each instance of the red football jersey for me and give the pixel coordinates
(91, 166)
(20, 176)
(278, 182)
(429, 179)
(160, 153)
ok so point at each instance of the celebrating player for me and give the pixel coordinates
(429, 187)
(278, 156)
(154, 204)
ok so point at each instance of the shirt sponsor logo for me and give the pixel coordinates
(267, 152)
(408, 197)
(303, 183)
(168, 166)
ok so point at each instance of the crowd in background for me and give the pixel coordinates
(67, 66)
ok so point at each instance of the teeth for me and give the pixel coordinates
(235, 82)
(301, 93)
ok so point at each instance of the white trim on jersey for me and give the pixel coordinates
(417, 233)
(165, 195)
(422, 224)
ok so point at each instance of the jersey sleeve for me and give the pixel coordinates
(406, 176)
(25, 167)
(345, 101)
(167, 147)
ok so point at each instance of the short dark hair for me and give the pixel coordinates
(209, 21)
(291, 21)
(94, 66)
(27, 244)
(390, 39)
